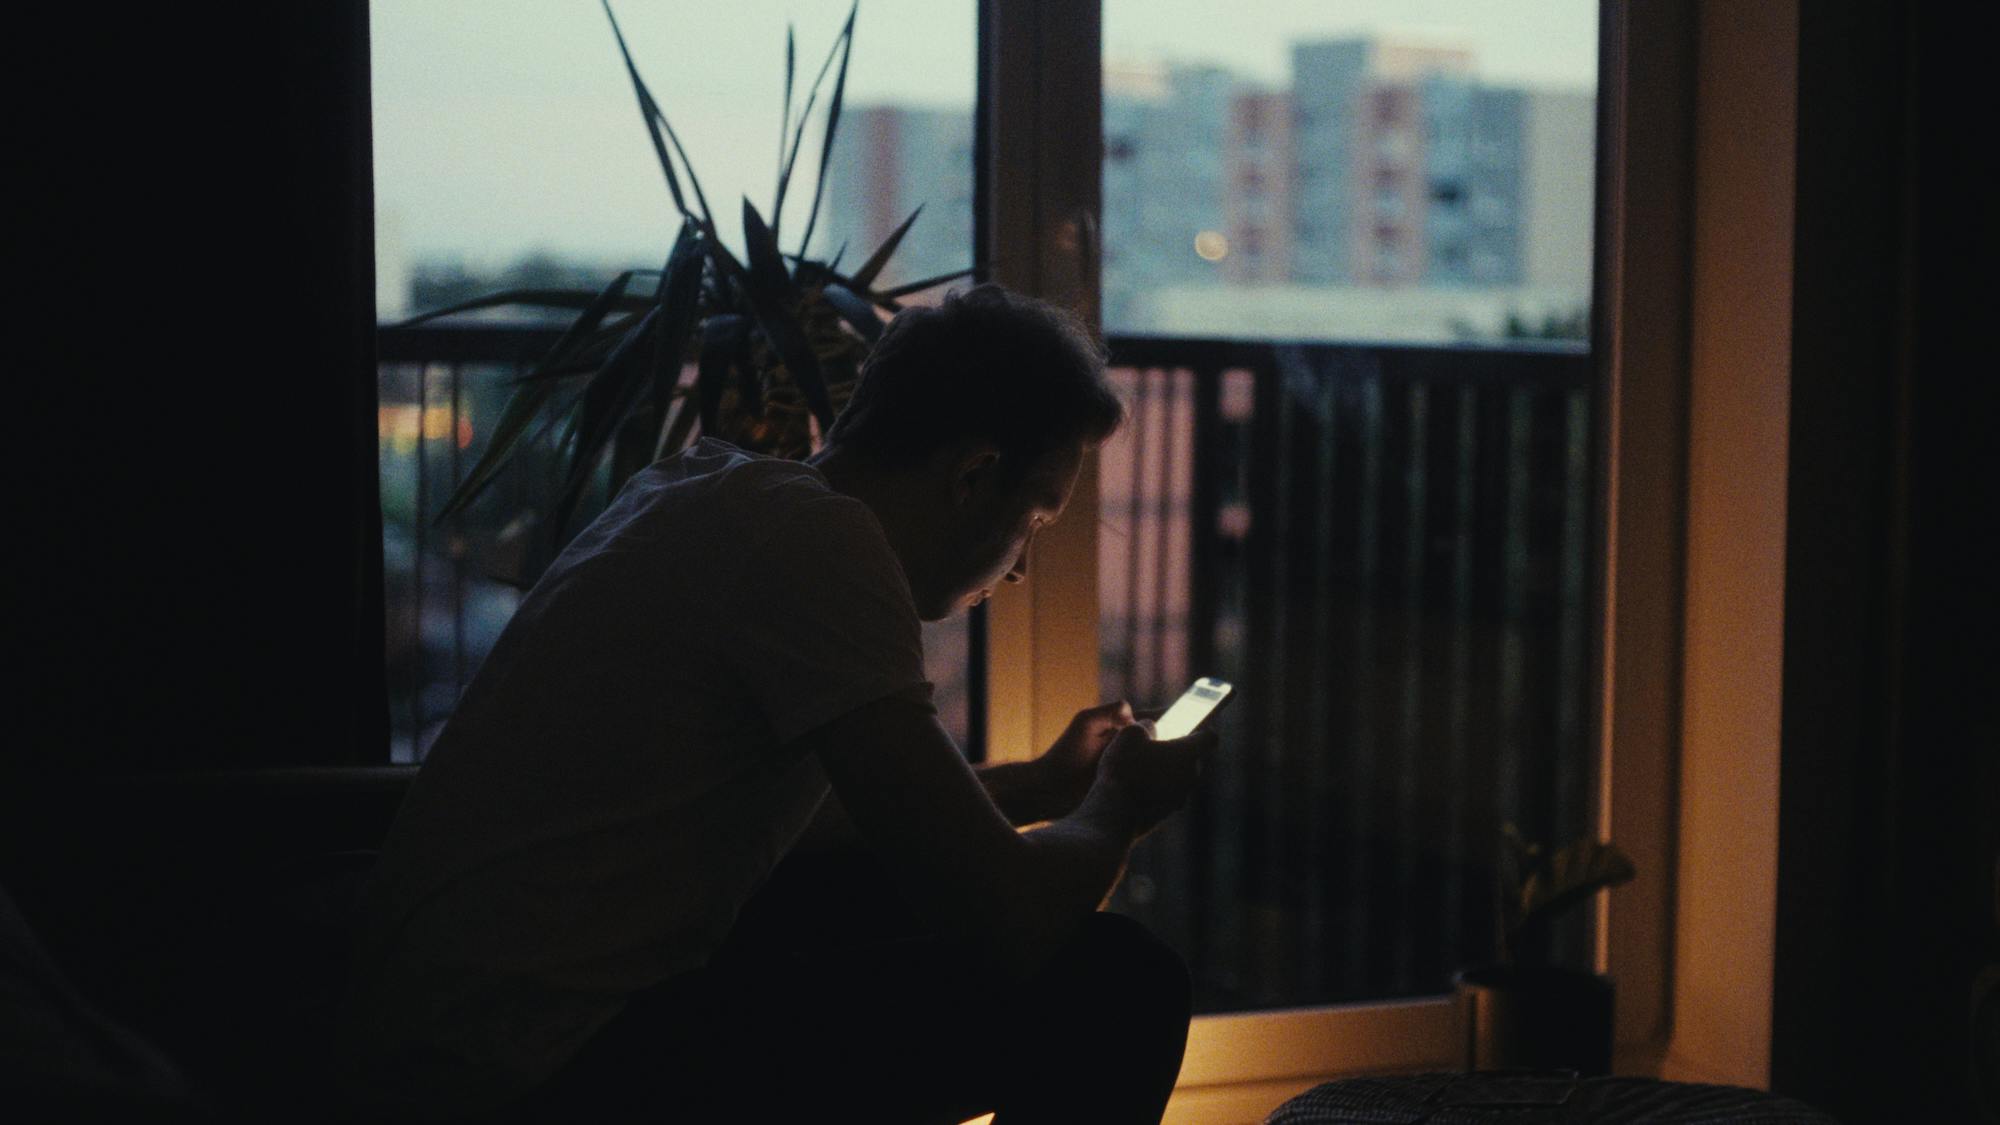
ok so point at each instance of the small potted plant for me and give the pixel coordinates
(1523, 1011)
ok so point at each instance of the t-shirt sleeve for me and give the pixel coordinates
(823, 621)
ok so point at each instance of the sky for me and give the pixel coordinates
(508, 126)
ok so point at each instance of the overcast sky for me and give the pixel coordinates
(503, 126)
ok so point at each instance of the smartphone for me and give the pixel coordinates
(1192, 709)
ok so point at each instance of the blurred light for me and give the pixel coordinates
(437, 423)
(400, 425)
(1211, 245)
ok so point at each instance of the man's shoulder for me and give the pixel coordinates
(712, 489)
(714, 505)
(714, 470)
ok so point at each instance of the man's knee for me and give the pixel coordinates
(1122, 964)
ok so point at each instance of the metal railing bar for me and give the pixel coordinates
(1365, 729)
(1531, 361)
(1458, 741)
(420, 531)
(1528, 361)
(455, 547)
(516, 344)
(1415, 423)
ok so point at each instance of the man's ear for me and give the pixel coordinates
(973, 472)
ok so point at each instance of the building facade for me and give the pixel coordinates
(1380, 167)
(887, 161)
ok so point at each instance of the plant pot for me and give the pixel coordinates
(1532, 1017)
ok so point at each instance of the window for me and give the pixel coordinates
(1354, 495)
(509, 154)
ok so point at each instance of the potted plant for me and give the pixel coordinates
(773, 340)
(1522, 1010)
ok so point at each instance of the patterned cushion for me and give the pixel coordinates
(1536, 1098)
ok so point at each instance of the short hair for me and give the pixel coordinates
(989, 364)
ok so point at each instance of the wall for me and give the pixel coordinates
(194, 490)
(1739, 393)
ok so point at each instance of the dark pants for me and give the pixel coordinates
(828, 1005)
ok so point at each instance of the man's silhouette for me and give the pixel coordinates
(726, 669)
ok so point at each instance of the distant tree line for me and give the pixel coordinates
(436, 284)
(1571, 325)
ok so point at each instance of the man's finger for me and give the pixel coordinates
(1204, 748)
(1117, 711)
(1135, 732)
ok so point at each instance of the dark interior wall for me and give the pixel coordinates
(1887, 850)
(196, 573)
(193, 478)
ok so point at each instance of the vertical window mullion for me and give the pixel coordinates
(1040, 78)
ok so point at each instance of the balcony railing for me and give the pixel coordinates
(1385, 548)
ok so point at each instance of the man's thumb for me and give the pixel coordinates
(1118, 709)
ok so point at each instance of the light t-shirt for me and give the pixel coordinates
(616, 781)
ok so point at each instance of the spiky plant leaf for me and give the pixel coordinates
(790, 156)
(656, 123)
(846, 42)
(1570, 875)
(529, 398)
(872, 268)
(1537, 886)
(724, 344)
(784, 124)
(648, 112)
(771, 295)
(887, 295)
(602, 410)
(588, 354)
(534, 298)
(680, 310)
(857, 312)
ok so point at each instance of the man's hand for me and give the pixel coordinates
(1142, 782)
(1070, 766)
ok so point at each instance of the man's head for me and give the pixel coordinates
(982, 407)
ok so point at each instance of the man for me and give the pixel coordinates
(557, 929)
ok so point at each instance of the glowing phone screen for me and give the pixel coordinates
(1194, 705)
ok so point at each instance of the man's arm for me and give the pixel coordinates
(1051, 786)
(1048, 788)
(1023, 792)
(913, 798)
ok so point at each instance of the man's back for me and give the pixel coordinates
(615, 784)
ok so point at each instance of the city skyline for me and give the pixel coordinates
(1381, 191)
(509, 128)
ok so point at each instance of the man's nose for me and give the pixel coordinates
(1019, 570)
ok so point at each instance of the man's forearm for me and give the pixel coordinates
(1024, 792)
(1028, 792)
(1074, 864)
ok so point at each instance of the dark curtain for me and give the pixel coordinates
(196, 525)
(1890, 791)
